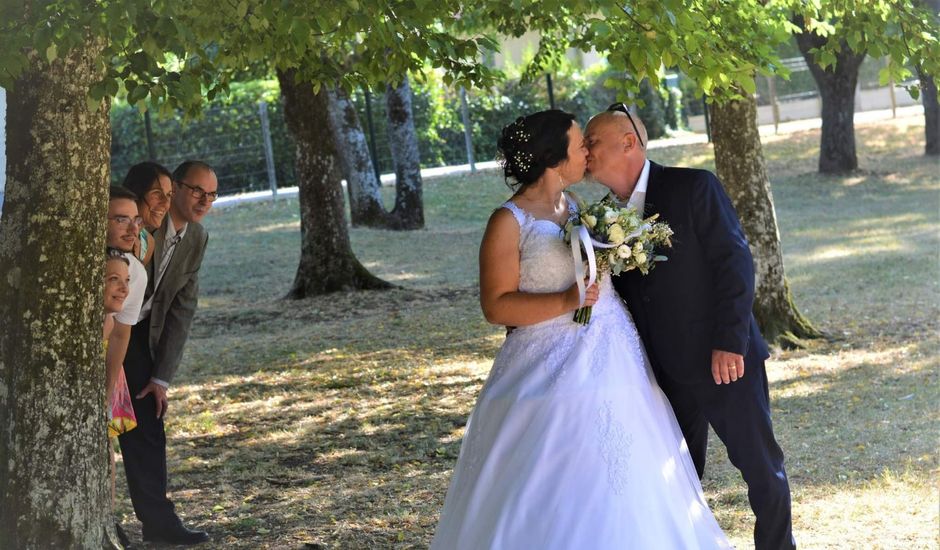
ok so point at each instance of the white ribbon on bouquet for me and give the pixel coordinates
(578, 238)
(582, 237)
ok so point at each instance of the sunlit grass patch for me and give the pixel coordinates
(337, 420)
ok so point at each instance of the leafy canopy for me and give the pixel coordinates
(175, 54)
(906, 33)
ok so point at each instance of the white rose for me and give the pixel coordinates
(640, 258)
(615, 234)
(610, 216)
(589, 220)
(624, 251)
(637, 248)
(612, 257)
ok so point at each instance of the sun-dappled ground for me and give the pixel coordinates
(334, 422)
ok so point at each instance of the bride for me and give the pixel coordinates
(571, 445)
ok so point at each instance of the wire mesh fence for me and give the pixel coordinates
(234, 137)
(231, 138)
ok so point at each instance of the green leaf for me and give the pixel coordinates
(51, 53)
(93, 104)
(749, 85)
(138, 94)
(884, 75)
(637, 58)
(111, 87)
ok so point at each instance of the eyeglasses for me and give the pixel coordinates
(159, 195)
(127, 220)
(198, 193)
(621, 107)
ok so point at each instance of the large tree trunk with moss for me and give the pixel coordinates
(403, 140)
(54, 489)
(327, 262)
(739, 160)
(365, 198)
(837, 89)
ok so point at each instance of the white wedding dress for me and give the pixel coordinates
(572, 445)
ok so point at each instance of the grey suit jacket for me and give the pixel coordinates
(174, 302)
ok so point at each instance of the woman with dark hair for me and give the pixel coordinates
(153, 185)
(571, 444)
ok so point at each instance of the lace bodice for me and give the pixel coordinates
(545, 263)
(544, 259)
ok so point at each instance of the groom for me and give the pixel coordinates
(693, 313)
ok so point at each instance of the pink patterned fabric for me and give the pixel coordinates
(121, 418)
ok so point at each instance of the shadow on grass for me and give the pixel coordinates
(338, 419)
(368, 456)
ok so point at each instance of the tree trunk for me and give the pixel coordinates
(928, 91)
(403, 139)
(739, 160)
(365, 197)
(327, 262)
(837, 88)
(54, 489)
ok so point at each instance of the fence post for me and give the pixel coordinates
(467, 131)
(774, 106)
(268, 149)
(551, 91)
(894, 101)
(151, 149)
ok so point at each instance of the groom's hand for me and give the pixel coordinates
(159, 396)
(727, 367)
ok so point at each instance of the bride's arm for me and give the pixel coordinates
(500, 298)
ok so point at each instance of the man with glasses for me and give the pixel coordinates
(156, 349)
(124, 225)
(693, 313)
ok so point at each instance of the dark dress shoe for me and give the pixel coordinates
(176, 534)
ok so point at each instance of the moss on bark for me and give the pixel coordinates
(54, 490)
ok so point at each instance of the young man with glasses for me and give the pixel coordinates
(124, 225)
(156, 349)
(693, 313)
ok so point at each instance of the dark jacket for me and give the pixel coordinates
(701, 298)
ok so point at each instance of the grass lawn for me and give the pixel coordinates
(335, 422)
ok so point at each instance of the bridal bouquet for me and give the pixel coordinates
(627, 242)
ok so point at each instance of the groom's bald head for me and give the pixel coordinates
(615, 153)
(621, 122)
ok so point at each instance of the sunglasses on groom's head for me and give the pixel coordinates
(621, 107)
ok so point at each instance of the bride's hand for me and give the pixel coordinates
(590, 296)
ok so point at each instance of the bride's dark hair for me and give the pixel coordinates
(533, 143)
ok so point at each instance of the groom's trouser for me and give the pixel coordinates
(144, 447)
(740, 415)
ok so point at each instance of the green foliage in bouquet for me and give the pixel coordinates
(621, 239)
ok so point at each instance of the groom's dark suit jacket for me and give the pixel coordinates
(700, 299)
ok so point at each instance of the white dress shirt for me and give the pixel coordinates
(638, 197)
